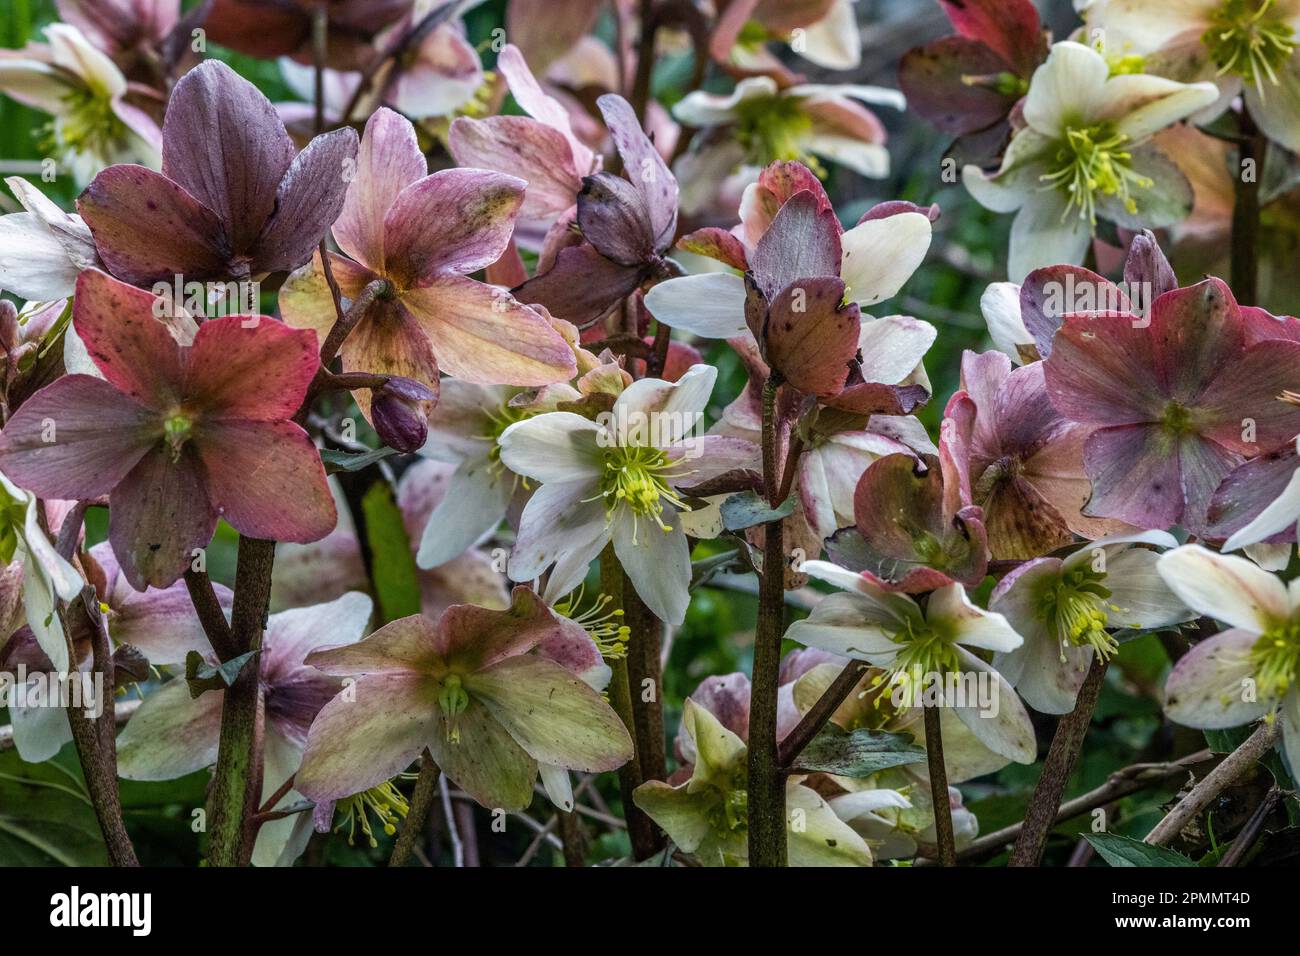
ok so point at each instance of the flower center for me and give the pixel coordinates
(1251, 39)
(177, 428)
(1090, 162)
(453, 699)
(924, 654)
(606, 628)
(637, 476)
(1276, 659)
(775, 128)
(385, 801)
(86, 125)
(1176, 419)
(499, 420)
(1076, 604)
(731, 813)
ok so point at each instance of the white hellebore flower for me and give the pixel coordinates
(1247, 672)
(43, 249)
(47, 577)
(1246, 47)
(1085, 152)
(913, 647)
(1000, 306)
(83, 90)
(617, 479)
(1067, 608)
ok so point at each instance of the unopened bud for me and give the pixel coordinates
(399, 410)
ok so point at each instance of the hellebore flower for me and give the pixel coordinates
(824, 32)
(1022, 460)
(1177, 400)
(94, 122)
(540, 148)
(467, 689)
(1085, 150)
(1259, 499)
(263, 207)
(1246, 48)
(924, 653)
(123, 29)
(174, 733)
(399, 410)
(46, 577)
(968, 84)
(618, 479)
(1068, 609)
(627, 225)
(760, 123)
(175, 435)
(429, 317)
(1251, 670)
(43, 249)
(271, 28)
(708, 815)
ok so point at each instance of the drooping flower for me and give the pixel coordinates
(95, 121)
(824, 33)
(1247, 48)
(759, 123)
(617, 479)
(1085, 151)
(262, 207)
(467, 689)
(924, 653)
(272, 28)
(430, 317)
(1177, 399)
(175, 435)
(968, 84)
(42, 249)
(540, 148)
(708, 815)
(126, 30)
(1067, 610)
(626, 225)
(1249, 671)
(174, 734)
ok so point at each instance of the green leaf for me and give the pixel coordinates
(1120, 850)
(45, 817)
(336, 461)
(397, 580)
(202, 676)
(748, 509)
(859, 754)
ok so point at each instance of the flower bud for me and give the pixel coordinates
(399, 410)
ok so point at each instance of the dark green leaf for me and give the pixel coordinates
(45, 817)
(748, 509)
(202, 676)
(1120, 850)
(336, 461)
(859, 754)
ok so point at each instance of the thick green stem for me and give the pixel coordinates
(233, 796)
(641, 830)
(767, 837)
(1067, 742)
(939, 787)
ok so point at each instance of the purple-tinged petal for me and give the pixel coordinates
(76, 439)
(1207, 687)
(811, 336)
(212, 104)
(407, 646)
(717, 244)
(1135, 475)
(148, 229)
(250, 367)
(475, 214)
(1011, 28)
(1048, 295)
(613, 217)
(582, 287)
(307, 202)
(1147, 267)
(472, 638)
(1101, 370)
(803, 242)
(158, 515)
(1243, 403)
(523, 147)
(932, 77)
(133, 350)
(389, 160)
(645, 167)
(171, 735)
(1195, 332)
(1250, 490)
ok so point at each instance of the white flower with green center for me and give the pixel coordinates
(92, 123)
(47, 577)
(708, 815)
(1084, 153)
(1249, 671)
(1247, 48)
(617, 480)
(1068, 609)
(916, 648)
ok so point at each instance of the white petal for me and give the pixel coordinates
(711, 305)
(866, 159)
(33, 263)
(1000, 305)
(559, 786)
(850, 625)
(700, 109)
(880, 255)
(652, 411)
(556, 522)
(1277, 109)
(1001, 723)
(1045, 233)
(658, 563)
(554, 447)
(1141, 594)
(1283, 513)
(834, 41)
(1066, 89)
(1163, 103)
(893, 347)
(974, 626)
(474, 504)
(1209, 685)
(1225, 587)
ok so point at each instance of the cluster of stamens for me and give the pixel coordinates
(1250, 39)
(638, 476)
(605, 627)
(385, 801)
(1093, 161)
(925, 654)
(1275, 659)
(1077, 604)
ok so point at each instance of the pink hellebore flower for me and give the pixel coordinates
(253, 207)
(174, 734)
(271, 28)
(430, 317)
(469, 691)
(1067, 610)
(824, 32)
(1177, 399)
(1249, 671)
(175, 435)
(540, 148)
(122, 29)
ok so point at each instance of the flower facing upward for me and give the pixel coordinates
(175, 435)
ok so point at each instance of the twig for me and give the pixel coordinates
(453, 832)
(1249, 834)
(1057, 767)
(1214, 782)
(812, 722)
(426, 786)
